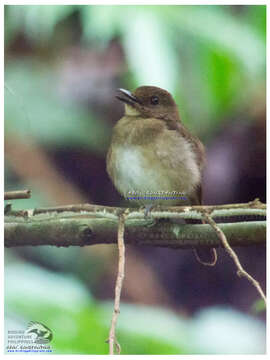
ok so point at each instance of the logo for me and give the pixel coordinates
(35, 339)
(42, 334)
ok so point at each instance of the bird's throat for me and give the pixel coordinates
(131, 111)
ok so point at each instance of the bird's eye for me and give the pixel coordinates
(154, 100)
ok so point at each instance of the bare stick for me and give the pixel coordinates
(240, 270)
(255, 204)
(211, 250)
(206, 263)
(118, 286)
(21, 194)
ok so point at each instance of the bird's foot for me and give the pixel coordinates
(147, 210)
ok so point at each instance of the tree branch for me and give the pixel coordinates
(79, 225)
(21, 194)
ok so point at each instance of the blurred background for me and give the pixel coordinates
(63, 65)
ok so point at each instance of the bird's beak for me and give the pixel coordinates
(127, 97)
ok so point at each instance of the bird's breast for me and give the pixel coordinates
(154, 171)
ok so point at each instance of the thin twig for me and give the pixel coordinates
(255, 204)
(118, 286)
(21, 194)
(212, 252)
(207, 263)
(240, 270)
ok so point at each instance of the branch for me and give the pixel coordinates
(118, 287)
(254, 206)
(240, 270)
(21, 194)
(79, 225)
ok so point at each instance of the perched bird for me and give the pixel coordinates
(151, 152)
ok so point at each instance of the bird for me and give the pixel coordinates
(152, 152)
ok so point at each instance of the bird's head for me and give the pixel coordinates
(149, 102)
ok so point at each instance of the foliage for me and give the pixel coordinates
(212, 58)
(221, 49)
(33, 108)
(258, 306)
(80, 324)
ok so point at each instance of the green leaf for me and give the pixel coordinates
(34, 109)
(258, 306)
(100, 23)
(215, 27)
(149, 322)
(37, 21)
(149, 52)
(80, 325)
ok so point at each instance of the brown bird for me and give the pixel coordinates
(151, 152)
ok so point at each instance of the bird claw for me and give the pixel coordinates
(147, 210)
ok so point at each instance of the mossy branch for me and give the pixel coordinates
(80, 225)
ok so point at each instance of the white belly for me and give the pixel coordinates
(135, 174)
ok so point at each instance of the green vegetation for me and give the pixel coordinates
(213, 60)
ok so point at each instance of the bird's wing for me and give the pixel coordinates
(192, 139)
(196, 197)
(196, 144)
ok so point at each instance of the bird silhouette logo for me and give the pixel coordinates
(43, 333)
